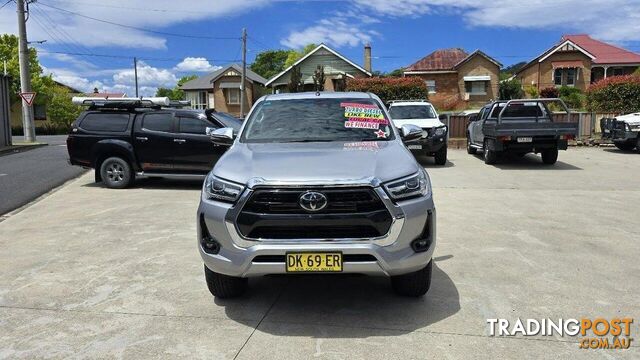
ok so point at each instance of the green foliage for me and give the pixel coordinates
(395, 73)
(510, 89)
(39, 83)
(295, 82)
(176, 93)
(271, 62)
(388, 89)
(61, 111)
(531, 91)
(294, 55)
(319, 78)
(573, 97)
(619, 94)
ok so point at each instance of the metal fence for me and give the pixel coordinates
(588, 123)
(5, 121)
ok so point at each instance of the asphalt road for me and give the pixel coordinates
(27, 174)
(90, 272)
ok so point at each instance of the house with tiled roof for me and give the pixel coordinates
(220, 89)
(578, 61)
(455, 75)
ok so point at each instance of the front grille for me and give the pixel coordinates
(349, 213)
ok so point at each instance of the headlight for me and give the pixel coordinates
(222, 190)
(441, 131)
(411, 186)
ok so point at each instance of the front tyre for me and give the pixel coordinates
(638, 144)
(413, 284)
(550, 157)
(224, 286)
(441, 156)
(470, 149)
(625, 145)
(116, 173)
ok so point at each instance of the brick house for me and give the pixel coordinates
(336, 68)
(577, 60)
(453, 75)
(220, 90)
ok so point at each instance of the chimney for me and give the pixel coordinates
(95, 90)
(367, 57)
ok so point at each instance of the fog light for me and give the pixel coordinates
(420, 245)
(210, 246)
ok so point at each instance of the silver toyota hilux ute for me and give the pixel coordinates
(317, 183)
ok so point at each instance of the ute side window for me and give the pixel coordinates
(105, 122)
(194, 126)
(158, 122)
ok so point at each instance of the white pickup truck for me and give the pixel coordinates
(624, 130)
(422, 114)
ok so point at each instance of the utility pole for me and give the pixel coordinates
(244, 71)
(135, 73)
(25, 76)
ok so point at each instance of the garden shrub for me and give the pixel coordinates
(549, 92)
(407, 88)
(617, 94)
(510, 89)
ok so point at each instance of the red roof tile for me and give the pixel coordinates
(444, 59)
(604, 53)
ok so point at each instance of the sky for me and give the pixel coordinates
(91, 44)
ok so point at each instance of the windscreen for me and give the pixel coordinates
(412, 112)
(317, 119)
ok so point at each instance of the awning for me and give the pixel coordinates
(569, 64)
(229, 85)
(477, 78)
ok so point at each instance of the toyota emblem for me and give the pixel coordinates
(313, 201)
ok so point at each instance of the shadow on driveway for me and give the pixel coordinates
(528, 162)
(159, 184)
(357, 304)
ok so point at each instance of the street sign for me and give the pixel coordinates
(28, 97)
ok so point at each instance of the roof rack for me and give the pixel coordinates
(179, 103)
(400, 101)
(121, 103)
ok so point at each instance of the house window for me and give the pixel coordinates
(39, 112)
(198, 99)
(618, 71)
(431, 86)
(571, 77)
(557, 77)
(233, 96)
(475, 87)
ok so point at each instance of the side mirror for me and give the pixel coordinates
(222, 136)
(410, 132)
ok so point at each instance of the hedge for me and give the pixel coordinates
(407, 88)
(618, 94)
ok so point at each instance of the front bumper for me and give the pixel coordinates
(430, 144)
(623, 136)
(393, 253)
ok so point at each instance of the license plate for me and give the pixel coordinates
(414, 147)
(525, 139)
(314, 262)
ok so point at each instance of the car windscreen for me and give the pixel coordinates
(412, 112)
(317, 119)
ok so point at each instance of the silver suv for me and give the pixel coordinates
(317, 183)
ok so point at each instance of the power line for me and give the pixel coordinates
(131, 57)
(139, 28)
(5, 4)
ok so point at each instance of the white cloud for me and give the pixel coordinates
(588, 16)
(195, 64)
(147, 76)
(339, 30)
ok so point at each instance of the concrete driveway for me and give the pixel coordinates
(92, 272)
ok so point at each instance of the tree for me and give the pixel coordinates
(508, 71)
(39, 83)
(295, 82)
(176, 93)
(271, 62)
(395, 73)
(319, 78)
(510, 89)
(61, 110)
(407, 88)
(295, 55)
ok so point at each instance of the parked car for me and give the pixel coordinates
(519, 126)
(624, 131)
(317, 183)
(433, 141)
(123, 139)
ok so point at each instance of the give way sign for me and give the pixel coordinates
(28, 97)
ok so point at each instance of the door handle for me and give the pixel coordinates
(142, 138)
(180, 141)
